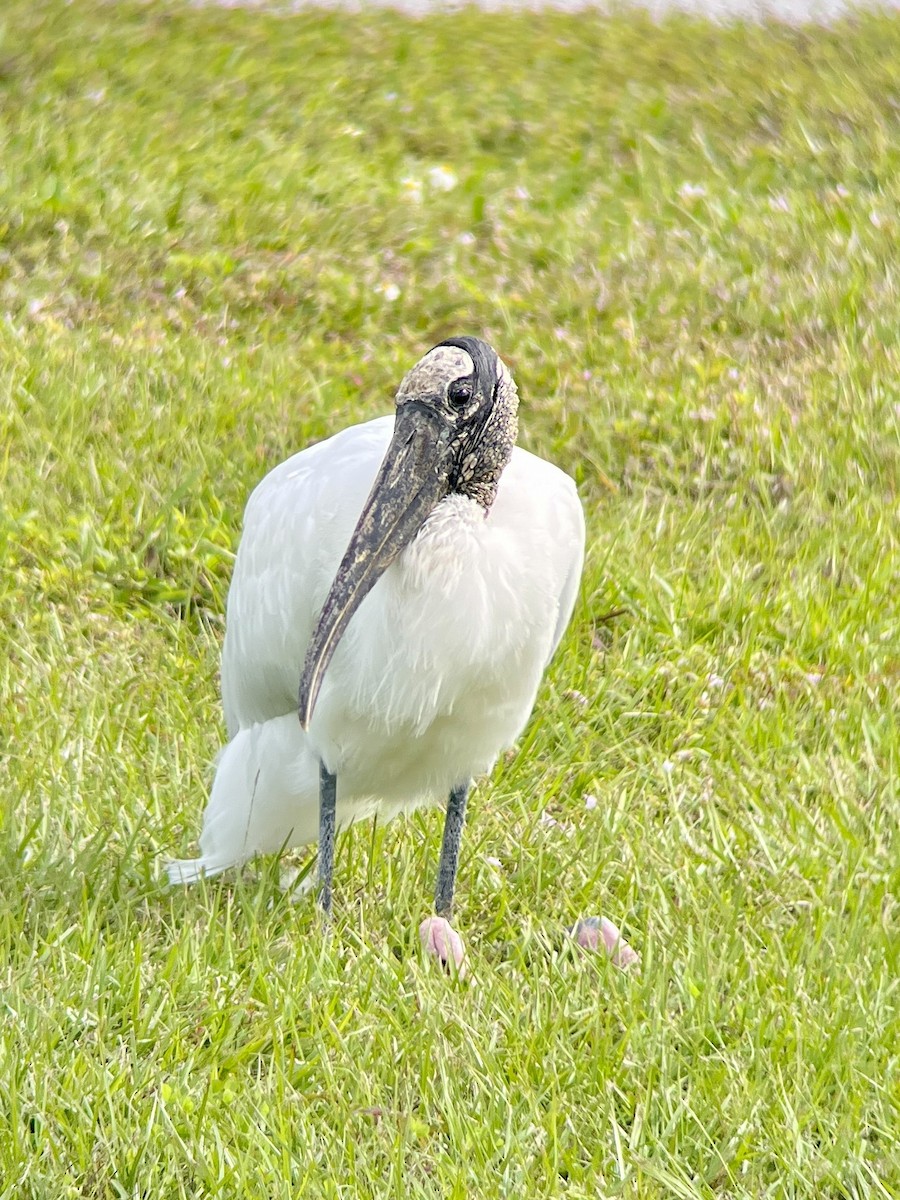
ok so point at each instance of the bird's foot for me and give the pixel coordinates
(599, 933)
(441, 941)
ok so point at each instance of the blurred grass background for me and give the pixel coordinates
(224, 234)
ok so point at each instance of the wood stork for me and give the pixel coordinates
(414, 574)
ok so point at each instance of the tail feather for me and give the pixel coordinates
(192, 870)
(264, 797)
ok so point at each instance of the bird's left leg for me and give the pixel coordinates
(438, 936)
(327, 826)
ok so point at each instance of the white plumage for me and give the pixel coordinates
(436, 673)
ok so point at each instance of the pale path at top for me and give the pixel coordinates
(784, 10)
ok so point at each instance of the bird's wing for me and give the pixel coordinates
(572, 521)
(540, 502)
(297, 526)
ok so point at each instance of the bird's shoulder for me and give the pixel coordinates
(329, 465)
(532, 484)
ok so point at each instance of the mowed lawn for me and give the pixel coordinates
(224, 235)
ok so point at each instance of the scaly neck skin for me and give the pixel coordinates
(478, 476)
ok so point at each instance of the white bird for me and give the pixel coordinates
(414, 576)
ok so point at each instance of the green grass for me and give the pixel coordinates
(683, 238)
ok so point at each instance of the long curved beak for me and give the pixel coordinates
(412, 480)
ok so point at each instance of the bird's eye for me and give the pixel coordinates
(459, 393)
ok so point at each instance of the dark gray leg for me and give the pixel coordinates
(327, 820)
(453, 827)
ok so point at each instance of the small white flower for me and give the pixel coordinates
(814, 677)
(389, 291)
(466, 239)
(290, 881)
(841, 191)
(590, 801)
(715, 681)
(390, 97)
(779, 203)
(668, 767)
(549, 822)
(494, 862)
(522, 193)
(876, 219)
(411, 189)
(691, 191)
(442, 179)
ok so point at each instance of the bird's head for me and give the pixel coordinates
(463, 390)
(454, 433)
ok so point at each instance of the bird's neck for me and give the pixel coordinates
(478, 476)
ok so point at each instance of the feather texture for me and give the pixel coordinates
(437, 671)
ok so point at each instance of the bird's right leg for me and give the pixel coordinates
(327, 827)
(438, 936)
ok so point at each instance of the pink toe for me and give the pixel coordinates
(441, 941)
(599, 933)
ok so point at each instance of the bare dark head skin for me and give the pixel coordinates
(455, 431)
